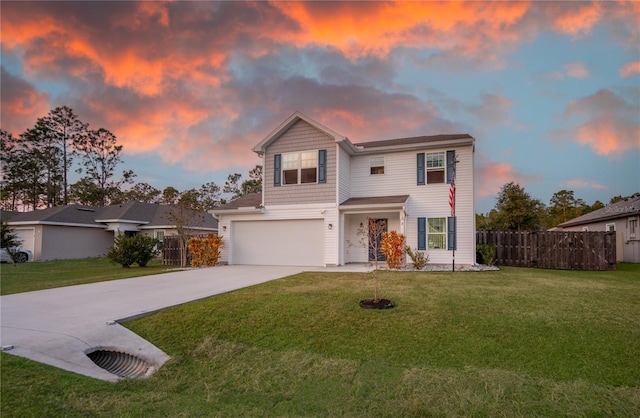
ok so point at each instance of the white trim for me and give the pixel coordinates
(606, 227)
(55, 223)
(413, 147)
(289, 122)
(123, 221)
(174, 227)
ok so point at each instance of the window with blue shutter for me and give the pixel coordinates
(451, 164)
(451, 233)
(322, 166)
(422, 233)
(277, 169)
(420, 169)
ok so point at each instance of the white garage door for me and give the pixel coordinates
(28, 237)
(280, 243)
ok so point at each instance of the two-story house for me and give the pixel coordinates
(319, 190)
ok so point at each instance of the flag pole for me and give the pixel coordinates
(452, 201)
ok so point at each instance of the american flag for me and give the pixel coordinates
(452, 194)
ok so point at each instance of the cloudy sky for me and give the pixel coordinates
(550, 90)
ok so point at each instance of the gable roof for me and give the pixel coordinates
(366, 147)
(622, 209)
(139, 212)
(288, 123)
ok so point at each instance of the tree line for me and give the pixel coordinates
(515, 209)
(36, 166)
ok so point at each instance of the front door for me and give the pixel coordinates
(376, 228)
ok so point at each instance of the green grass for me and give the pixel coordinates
(49, 274)
(514, 343)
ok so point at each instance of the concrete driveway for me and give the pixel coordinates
(60, 326)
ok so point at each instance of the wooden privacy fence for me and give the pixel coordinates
(171, 250)
(565, 250)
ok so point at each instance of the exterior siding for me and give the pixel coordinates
(300, 137)
(429, 200)
(344, 175)
(63, 242)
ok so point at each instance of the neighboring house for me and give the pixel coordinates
(76, 231)
(319, 190)
(622, 217)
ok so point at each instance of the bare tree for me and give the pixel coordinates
(370, 238)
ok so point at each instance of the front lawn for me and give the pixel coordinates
(516, 343)
(26, 277)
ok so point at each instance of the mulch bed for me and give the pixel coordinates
(377, 304)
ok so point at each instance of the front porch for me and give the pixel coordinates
(354, 219)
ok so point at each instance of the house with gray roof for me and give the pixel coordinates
(319, 191)
(623, 217)
(77, 231)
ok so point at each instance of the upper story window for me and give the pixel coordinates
(376, 165)
(435, 167)
(300, 167)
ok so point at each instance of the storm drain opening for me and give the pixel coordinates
(121, 364)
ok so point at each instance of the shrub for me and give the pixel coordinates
(137, 249)
(418, 258)
(392, 247)
(205, 251)
(485, 254)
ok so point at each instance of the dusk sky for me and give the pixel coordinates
(550, 90)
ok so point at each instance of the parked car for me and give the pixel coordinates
(20, 255)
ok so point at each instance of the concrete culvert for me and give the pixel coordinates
(121, 364)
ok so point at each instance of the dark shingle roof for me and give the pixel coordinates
(622, 209)
(149, 214)
(251, 200)
(163, 217)
(413, 140)
(70, 214)
(380, 200)
(130, 211)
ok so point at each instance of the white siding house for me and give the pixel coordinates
(319, 190)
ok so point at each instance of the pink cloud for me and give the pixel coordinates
(576, 70)
(492, 175)
(611, 125)
(630, 69)
(580, 183)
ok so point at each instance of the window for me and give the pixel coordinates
(300, 167)
(435, 167)
(436, 233)
(376, 165)
(633, 226)
(611, 228)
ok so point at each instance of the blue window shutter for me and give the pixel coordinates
(421, 169)
(322, 166)
(451, 233)
(277, 169)
(451, 164)
(422, 233)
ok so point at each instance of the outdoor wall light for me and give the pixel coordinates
(224, 228)
(330, 226)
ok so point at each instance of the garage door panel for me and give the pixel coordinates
(285, 243)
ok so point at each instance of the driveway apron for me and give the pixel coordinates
(61, 326)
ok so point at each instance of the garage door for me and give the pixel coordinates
(281, 243)
(28, 237)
